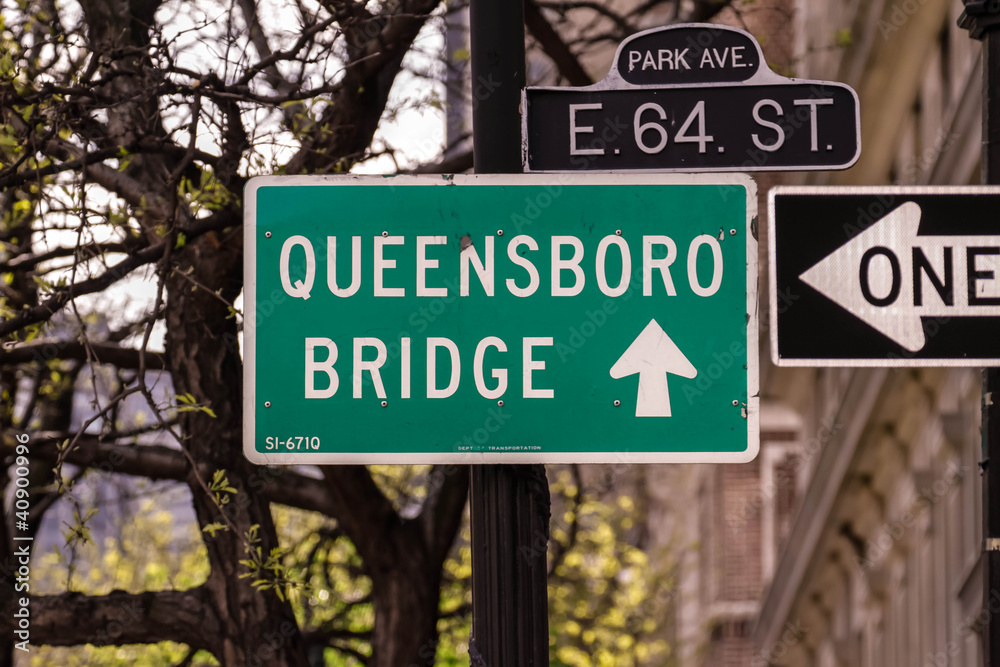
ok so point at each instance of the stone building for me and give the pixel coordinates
(854, 538)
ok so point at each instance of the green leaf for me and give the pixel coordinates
(6, 64)
(213, 528)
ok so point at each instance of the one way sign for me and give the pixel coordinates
(887, 276)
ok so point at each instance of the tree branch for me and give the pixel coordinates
(61, 296)
(554, 46)
(103, 353)
(356, 106)
(703, 10)
(280, 485)
(26, 262)
(117, 618)
(447, 494)
(364, 513)
(624, 28)
(269, 58)
(456, 164)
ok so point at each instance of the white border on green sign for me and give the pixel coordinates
(471, 458)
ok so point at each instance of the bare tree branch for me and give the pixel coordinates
(346, 126)
(554, 46)
(69, 619)
(61, 296)
(280, 485)
(703, 10)
(97, 352)
(29, 261)
(455, 164)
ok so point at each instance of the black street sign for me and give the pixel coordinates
(885, 276)
(693, 97)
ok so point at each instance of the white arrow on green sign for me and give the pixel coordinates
(653, 356)
(500, 319)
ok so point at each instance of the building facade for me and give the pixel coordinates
(854, 539)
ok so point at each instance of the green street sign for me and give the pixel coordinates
(500, 319)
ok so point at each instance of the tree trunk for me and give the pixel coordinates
(403, 557)
(257, 627)
(406, 598)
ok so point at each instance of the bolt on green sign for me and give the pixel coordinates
(500, 319)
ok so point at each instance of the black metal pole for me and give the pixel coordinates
(509, 504)
(496, 41)
(982, 19)
(991, 376)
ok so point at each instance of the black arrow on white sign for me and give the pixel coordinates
(879, 280)
(889, 276)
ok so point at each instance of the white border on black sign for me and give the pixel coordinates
(765, 76)
(901, 190)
